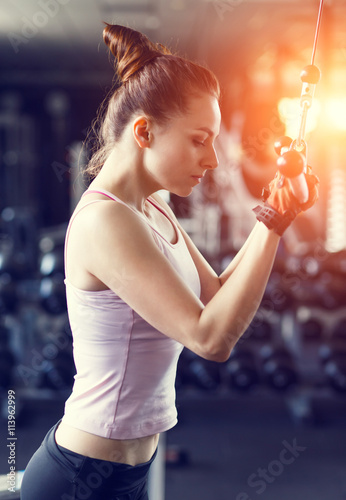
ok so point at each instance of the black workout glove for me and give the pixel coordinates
(281, 206)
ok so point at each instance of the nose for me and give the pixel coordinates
(211, 161)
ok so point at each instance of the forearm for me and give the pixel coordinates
(227, 315)
(238, 257)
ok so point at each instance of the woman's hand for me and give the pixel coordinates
(281, 198)
(281, 206)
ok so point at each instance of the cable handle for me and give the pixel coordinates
(292, 161)
(292, 165)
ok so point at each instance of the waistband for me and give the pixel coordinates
(104, 474)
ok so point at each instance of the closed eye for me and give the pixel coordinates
(199, 143)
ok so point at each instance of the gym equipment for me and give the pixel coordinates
(278, 368)
(312, 330)
(333, 358)
(8, 294)
(19, 248)
(51, 267)
(241, 371)
(58, 373)
(196, 371)
(292, 161)
(52, 294)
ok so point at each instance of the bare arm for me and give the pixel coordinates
(210, 281)
(123, 255)
(242, 288)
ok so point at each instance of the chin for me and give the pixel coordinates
(182, 192)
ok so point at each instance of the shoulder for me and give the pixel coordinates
(102, 220)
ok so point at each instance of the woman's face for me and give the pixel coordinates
(182, 151)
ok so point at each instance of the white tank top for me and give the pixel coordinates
(124, 385)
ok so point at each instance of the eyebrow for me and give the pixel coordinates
(206, 129)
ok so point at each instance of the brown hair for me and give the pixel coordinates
(149, 79)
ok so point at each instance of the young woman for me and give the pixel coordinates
(138, 289)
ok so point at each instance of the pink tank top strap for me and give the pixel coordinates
(110, 195)
(104, 192)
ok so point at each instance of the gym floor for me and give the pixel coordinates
(236, 447)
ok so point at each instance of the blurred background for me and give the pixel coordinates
(284, 387)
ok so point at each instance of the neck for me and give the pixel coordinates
(123, 174)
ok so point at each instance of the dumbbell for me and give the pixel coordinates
(240, 370)
(278, 368)
(52, 262)
(201, 373)
(333, 358)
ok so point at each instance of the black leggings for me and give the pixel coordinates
(55, 473)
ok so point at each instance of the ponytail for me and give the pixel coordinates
(131, 49)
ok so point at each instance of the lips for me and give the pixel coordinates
(198, 178)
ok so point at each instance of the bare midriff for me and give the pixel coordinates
(126, 451)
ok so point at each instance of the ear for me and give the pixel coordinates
(141, 131)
